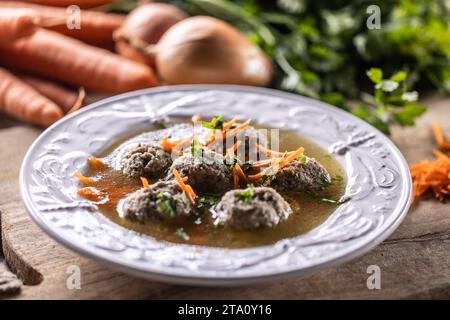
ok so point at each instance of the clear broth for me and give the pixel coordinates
(308, 211)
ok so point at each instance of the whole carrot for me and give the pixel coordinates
(94, 27)
(22, 102)
(83, 4)
(68, 60)
(66, 99)
(16, 24)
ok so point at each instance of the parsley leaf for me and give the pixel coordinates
(246, 195)
(195, 148)
(215, 123)
(303, 159)
(167, 204)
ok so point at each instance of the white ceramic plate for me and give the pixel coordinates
(378, 182)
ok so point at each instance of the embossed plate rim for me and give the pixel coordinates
(225, 277)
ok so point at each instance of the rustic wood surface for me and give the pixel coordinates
(414, 261)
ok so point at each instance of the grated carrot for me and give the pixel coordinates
(433, 175)
(232, 151)
(181, 144)
(96, 163)
(240, 173)
(229, 124)
(235, 178)
(91, 194)
(234, 131)
(84, 180)
(167, 145)
(270, 153)
(291, 156)
(224, 135)
(277, 164)
(438, 135)
(145, 182)
(187, 189)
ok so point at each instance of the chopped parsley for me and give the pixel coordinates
(195, 147)
(246, 195)
(207, 201)
(182, 234)
(215, 123)
(303, 159)
(167, 204)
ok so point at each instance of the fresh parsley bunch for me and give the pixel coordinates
(391, 102)
(322, 49)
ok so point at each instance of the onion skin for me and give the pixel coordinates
(147, 23)
(207, 50)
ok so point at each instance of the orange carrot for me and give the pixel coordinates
(22, 102)
(236, 130)
(167, 145)
(235, 179)
(278, 164)
(145, 182)
(96, 163)
(270, 153)
(232, 151)
(230, 133)
(95, 28)
(188, 191)
(51, 54)
(433, 176)
(240, 173)
(84, 180)
(262, 163)
(291, 156)
(181, 144)
(67, 99)
(84, 4)
(229, 124)
(91, 194)
(16, 24)
(438, 135)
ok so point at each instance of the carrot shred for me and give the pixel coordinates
(232, 132)
(262, 163)
(291, 156)
(187, 189)
(91, 194)
(240, 173)
(84, 180)
(232, 150)
(167, 145)
(229, 124)
(181, 144)
(277, 164)
(96, 163)
(235, 178)
(438, 135)
(145, 182)
(224, 135)
(433, 175)
(270, 153)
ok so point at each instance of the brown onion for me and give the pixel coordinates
(207, 50)
(143, 26)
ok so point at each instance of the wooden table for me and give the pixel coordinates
(414, 261)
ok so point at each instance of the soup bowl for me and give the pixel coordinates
(378, 189)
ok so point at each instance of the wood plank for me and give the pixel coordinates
(414, 260)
